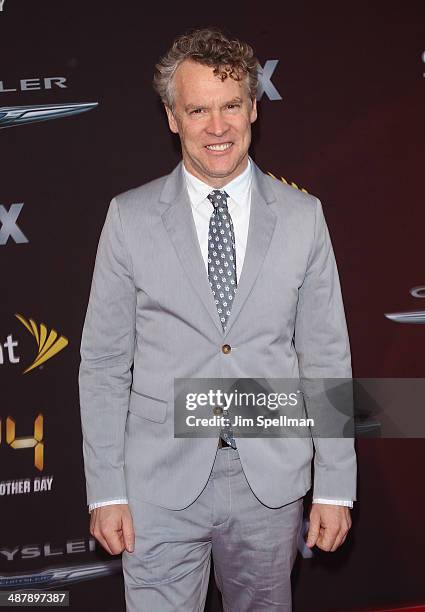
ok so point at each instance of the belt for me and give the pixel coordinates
(223, 444)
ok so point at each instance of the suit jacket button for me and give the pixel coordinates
(218, 411)
(226, 348)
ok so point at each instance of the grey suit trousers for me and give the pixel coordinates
(253, 547)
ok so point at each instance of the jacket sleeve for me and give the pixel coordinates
(323, 349)
(107, 351)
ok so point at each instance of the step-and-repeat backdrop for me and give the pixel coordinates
(341, 115)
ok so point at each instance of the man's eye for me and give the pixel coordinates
(232, 106)
(196, 111)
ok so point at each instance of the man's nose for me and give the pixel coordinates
(217, 124)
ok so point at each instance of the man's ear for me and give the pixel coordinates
(171, 120)
(253, 115)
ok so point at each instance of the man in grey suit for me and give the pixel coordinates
(216, 270)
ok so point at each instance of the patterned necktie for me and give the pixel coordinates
(221, 255)
(222, 271)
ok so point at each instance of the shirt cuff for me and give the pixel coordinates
(334, 502)
(107, 503)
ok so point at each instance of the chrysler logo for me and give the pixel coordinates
(18, 115)
(415, 316)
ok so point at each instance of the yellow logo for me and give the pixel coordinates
(286, 183)
(48, 344)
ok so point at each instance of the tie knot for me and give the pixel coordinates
(218, 198)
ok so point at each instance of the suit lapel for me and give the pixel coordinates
(179, 223)
(262, 221)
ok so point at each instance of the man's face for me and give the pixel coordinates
(213, 119)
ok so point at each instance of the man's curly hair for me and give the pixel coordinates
(210, 47)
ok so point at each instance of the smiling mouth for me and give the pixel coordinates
(219, 147)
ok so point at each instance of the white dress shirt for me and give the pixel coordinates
(239, 206)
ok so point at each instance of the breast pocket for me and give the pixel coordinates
(148, 407)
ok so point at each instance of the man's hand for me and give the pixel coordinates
(112, 526)
(329, 526)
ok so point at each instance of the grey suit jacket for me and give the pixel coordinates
(151, 306)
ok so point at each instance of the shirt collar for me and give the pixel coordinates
(237, 188)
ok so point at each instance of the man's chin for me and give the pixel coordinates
(220, 170)
(218, 173)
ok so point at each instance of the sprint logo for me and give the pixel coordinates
(49, 344)
(286, 183)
